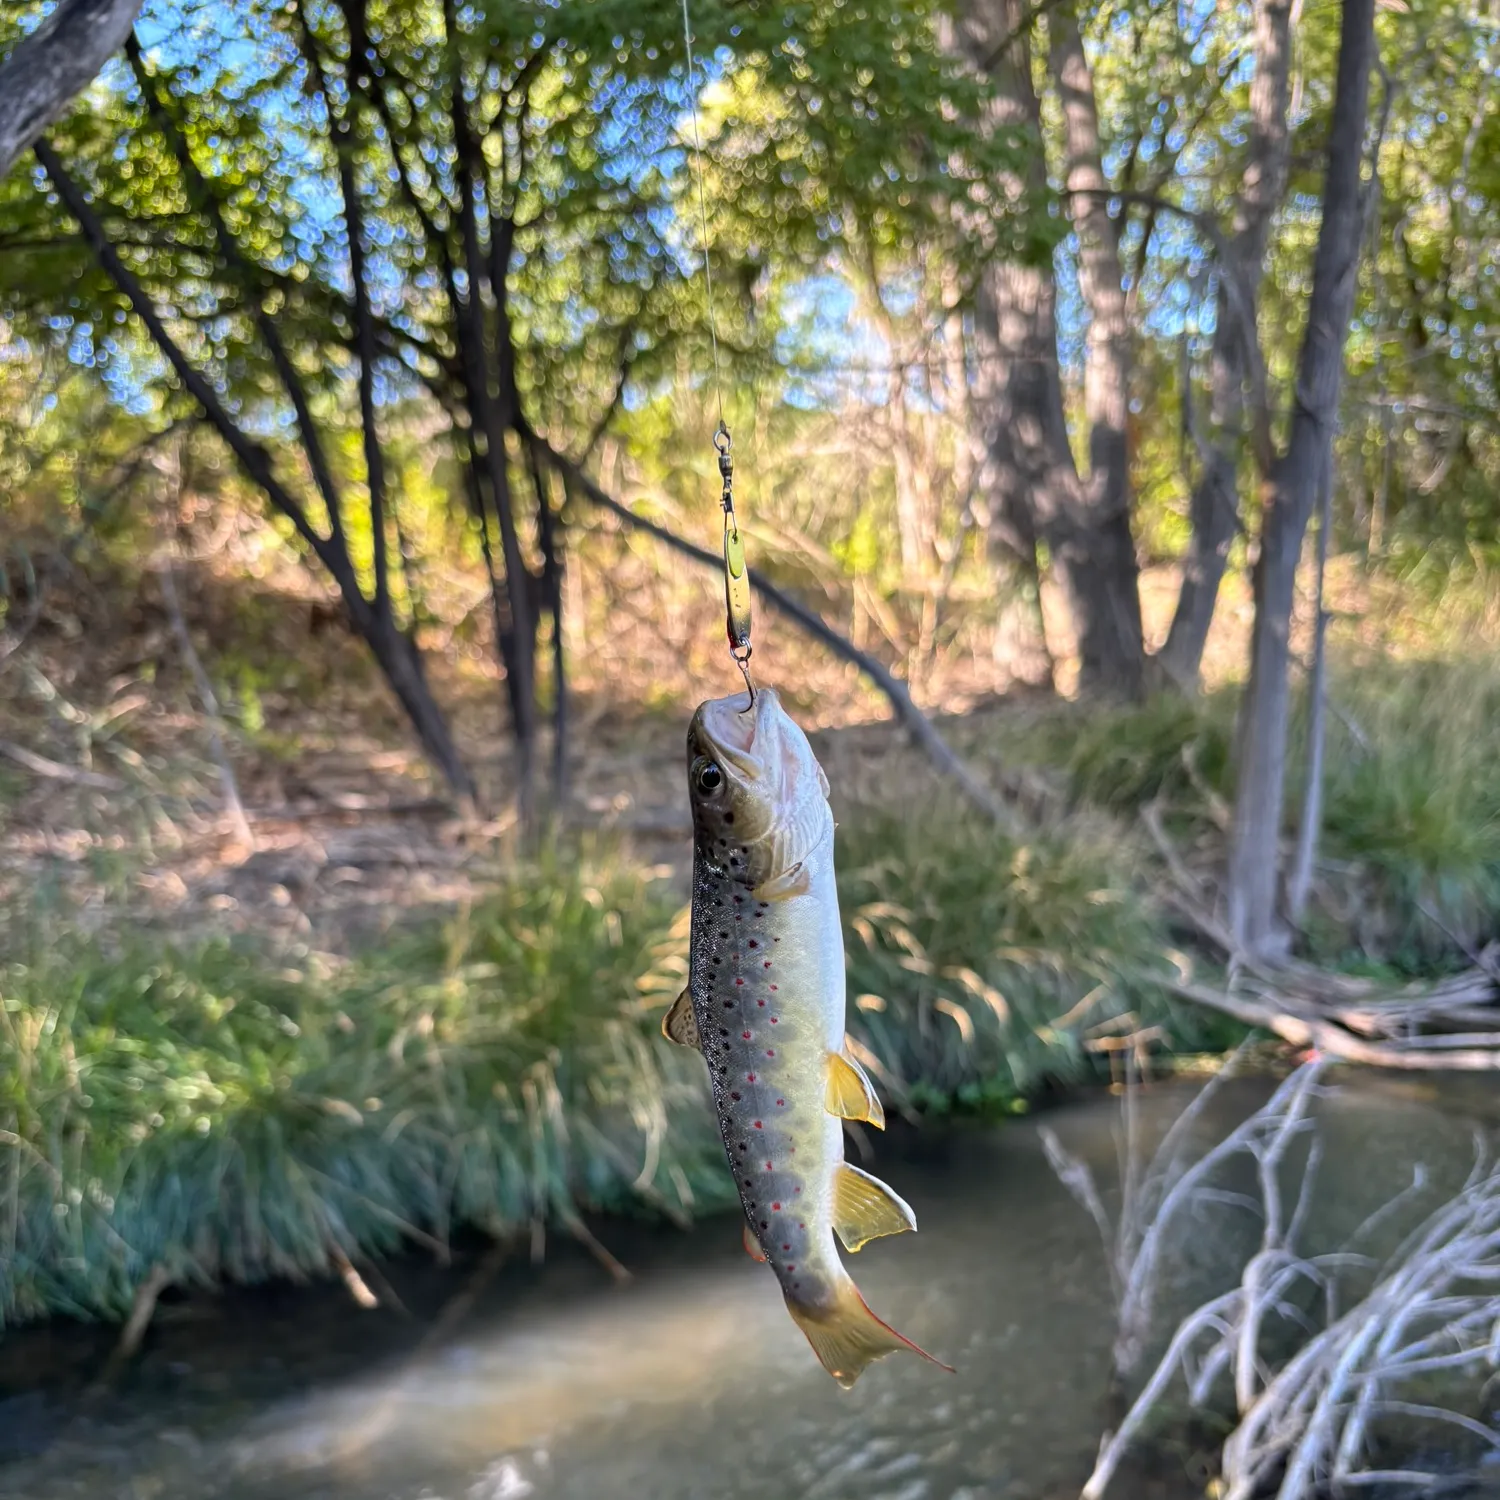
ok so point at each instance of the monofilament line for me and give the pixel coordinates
(708, 274)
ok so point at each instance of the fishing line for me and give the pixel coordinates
(736, 573)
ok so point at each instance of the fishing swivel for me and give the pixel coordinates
(736, 574)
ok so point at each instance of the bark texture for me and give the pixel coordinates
(1034, 487)
(1292, 489)
(51, 67)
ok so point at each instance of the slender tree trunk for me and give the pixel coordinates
(1214, 506)
(1112, 647)
(1291, 491)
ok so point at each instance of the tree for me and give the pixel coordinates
(474, 207)
(1039, 490)
(1235, 367)
(1167, 98)
(48, 69)
(1291, 489)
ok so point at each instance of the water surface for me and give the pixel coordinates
(690, 1382)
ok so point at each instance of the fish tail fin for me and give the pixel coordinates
(848, 1337)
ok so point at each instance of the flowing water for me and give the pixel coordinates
(690, 1382)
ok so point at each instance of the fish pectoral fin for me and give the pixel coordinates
(864, 1208)
(752, 1248)
(848, 1094)
(794, 882)
(680, 1025)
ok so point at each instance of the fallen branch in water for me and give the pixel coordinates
(1405, 1027)
(127, 1346)
(1313, 1423)
(917, 724)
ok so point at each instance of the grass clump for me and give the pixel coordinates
(982, 968)
(1413, 802)
(202, 1111)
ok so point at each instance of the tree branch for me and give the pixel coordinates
(920, 727)
(249, 276)
(253, 458)
(48, 69)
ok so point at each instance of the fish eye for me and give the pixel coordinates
(710, 778)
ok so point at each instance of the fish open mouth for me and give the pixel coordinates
(725, 731)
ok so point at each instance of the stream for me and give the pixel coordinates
(690, 1382)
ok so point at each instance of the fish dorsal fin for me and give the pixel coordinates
(679, 1024)
(752, 1249)
(864, 1208)
(848, 1094)
(794, 882)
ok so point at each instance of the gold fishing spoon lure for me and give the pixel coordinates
(736, 573)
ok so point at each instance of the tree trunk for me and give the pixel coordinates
(1214, 507)
(1291, 491)
(1034, 488)
(1111, 644)
(48, 69)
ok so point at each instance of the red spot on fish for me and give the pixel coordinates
(782, 1103)
(766, 964)
(774, 988)
(761, 1003)
(769, 1168)
(753, 943)
(739, 981)
(770, 1052)
(745, 1035)
(777, 1207)
(788, 1247)
(774, 1019)
(759, 1126)
(749, 1077)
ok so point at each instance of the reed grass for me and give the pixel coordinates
(982, 968)
(224, 1119)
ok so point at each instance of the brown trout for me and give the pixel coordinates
(765, 1006)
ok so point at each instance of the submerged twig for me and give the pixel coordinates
(1312, 1422)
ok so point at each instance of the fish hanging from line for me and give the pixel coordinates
(765, 1006)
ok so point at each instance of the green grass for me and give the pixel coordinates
(980, 968)
(215, 1112)
(1410, 845)
(206, 1112)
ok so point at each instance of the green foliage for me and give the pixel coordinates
(200, 1110)
(980, 968)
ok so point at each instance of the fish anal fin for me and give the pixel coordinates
(848, 1337)
(848, 1094)
(752, 1248)
(864, 1208)
(680, 1024)
(794, 882)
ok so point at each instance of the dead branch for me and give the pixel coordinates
(917, 724)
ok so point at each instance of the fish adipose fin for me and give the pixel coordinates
(848, 1337)
(679, 1024)
(864, 1208)
(794, 882)
(752, 1249)
(848, 1094)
